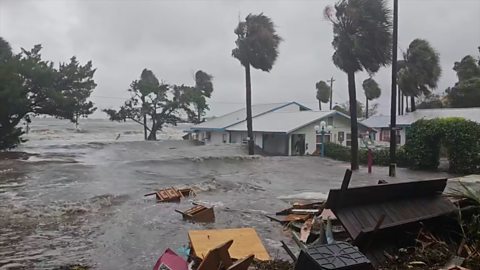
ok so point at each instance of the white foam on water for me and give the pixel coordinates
(305, 196)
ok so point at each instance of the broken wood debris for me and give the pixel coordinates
(171, 194)
(198, 213)
(290, 218)
(359, 209)
(245, 242)
(297, 207)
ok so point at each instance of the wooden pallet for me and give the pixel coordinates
(198, 213)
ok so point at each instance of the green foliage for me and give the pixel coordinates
(323, 93)
(466, 92)
(419, 72)
(76, 84)
(257, 42)
(257, 46)
(371, 88)
(32, 86)
(381, 157)
(459, 136)
(432, 101)
(198, 95)
(345, 108)
(161, 103)
(361, 34)
(362, 41)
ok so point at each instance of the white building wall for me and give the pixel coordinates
(340, 124)
(237, 137)
(216, 137)
(403, 136)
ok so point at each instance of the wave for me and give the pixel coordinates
(305, 196)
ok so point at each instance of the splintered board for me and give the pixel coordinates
(245, 242)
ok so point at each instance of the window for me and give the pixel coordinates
(208, 135)
(326, 138)
(385, 135)
(224, 137)
(349, 139)
(330, 121)
(341, 136)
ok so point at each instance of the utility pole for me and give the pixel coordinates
(331, 91)
(393, 111)
(399, 97)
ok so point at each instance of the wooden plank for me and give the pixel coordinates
(385, 192)
(217, 257)
(242, 264)
(245, 242)
(418, 210)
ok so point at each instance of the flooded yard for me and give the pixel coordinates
(80, 199)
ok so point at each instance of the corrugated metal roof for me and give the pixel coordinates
(377, 121)
(240, 115)
(472, 114)
(282, 122)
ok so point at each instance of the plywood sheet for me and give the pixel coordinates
(245, 242)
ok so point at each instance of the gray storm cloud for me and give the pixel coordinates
(176, 38)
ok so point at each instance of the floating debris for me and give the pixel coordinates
(245, 242)
(198, 213)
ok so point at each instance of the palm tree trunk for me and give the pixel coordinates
(366, 108)
(353, 121)
(412, 100)
(319, 105)
(249, 110)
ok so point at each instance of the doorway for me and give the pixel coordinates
(298, 144)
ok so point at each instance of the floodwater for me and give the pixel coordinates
(80, 200)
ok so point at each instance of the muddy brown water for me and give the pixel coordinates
(80, 199)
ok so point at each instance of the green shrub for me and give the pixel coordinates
(381, 157)
(460, 137)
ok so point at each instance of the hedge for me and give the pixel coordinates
(460, 137)
(425, 138)
(381, 157)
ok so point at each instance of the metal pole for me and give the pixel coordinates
(331, 91)
(323, 141)
(393, 111)
(370, 160)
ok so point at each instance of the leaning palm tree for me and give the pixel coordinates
(420, 71)
(257, 46)
(372, 91)
(323, 93)
(362, 41)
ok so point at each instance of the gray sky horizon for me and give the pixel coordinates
(176, 38)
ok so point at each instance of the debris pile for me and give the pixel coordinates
(404, 225)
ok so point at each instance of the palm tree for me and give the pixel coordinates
(256, 46)
(362, 41)
(323, 93)
(420, 72)
(372, 91)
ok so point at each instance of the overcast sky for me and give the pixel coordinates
(176, 38)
